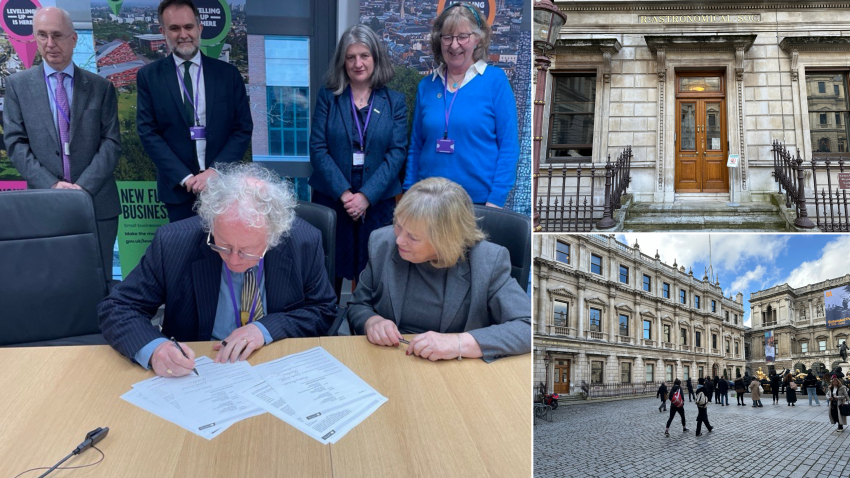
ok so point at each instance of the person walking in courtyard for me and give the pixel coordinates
(716, 390)
(702, 409)
(677, 405)
(690, 385)
(810, 383)
(774, 386)
(755, 392)
(837, 395)
(708, 387)
(723, 391)
(662, 392)
(739, 391)
(790, 390)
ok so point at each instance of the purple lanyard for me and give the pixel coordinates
(233, 294)
(360, 131)
(449, 108)
(186, 93)
(53, 96)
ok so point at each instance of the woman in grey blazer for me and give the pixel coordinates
(434, 275)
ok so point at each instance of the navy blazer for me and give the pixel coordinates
(181, 271)
(332, 140)
(164, 131)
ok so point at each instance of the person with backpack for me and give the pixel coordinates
(702, 409)
(811, 383)
(677, 405)
(662, 392)
(690, 390)
(739, 391)
(774, 386)
(723, 391)
(755, 385)
(790, 390)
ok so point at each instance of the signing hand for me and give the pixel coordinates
(167, 361)
(65, 185)
(240, 344)
(436, 346)
(356, 205)
(381, 331)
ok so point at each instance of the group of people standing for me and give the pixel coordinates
(836, 394)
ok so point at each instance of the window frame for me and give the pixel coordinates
(564, 316)
(696, 302)
(683, 336)
(683, 297)
(714, 341)
(553, 116)
(647, 283)
(668, 372)
(845, 71)
(594, 370)
(590, 320)
(559, 252)
(624, 278)
(650, 373)
(625, 368)
(666, 333)
(665, 290)
(697, 339)
(620, 322)
(713, 306)
(647, 331)
(804, 345)
(592, 256)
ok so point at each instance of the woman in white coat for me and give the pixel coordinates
(837, 395)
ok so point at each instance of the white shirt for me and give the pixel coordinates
(477, 68)
(200, 108)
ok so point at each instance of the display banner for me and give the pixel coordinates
(16, 21)
(141, 215)
(769, 347)
(216, 20)
(12, 185)
(837, 304)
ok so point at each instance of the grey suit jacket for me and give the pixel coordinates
(32, 139)
(499, 312)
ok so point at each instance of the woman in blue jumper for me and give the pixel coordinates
(357, 146)
(465, 126)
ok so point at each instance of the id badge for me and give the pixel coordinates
(446, 146)
(197, 133)
(67, 147)
(359, 158)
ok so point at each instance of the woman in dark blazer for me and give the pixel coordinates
(434, 275)
(358, 145)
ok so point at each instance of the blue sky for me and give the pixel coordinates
(750, 262)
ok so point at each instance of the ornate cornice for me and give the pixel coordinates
(731, 42)
(561, 291)
(818, 44)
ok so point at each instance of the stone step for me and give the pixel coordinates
(701, 209)
(692, 222)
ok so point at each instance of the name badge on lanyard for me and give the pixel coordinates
(359, 157)
(196, 132)
(446, 145)
(66, 147)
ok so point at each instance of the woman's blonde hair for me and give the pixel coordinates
(443, 211)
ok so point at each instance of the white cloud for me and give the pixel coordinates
(727, 250)
(832, 263)
(741, 283)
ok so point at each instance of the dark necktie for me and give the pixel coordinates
(188, 97)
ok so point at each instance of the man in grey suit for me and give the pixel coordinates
(61, 125)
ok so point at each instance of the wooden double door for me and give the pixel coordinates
(562, 377)
(701, 145)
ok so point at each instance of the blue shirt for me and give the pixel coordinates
(483, 126)
(225, 321)
(69, 88)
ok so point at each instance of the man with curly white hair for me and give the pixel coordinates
(245, 272)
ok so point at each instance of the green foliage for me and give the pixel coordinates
(406, 81)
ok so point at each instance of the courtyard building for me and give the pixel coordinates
(683, 85)
(608, 314)
(797, 320)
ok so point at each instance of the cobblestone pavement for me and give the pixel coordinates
(625, 439)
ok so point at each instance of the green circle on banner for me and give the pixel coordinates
(216, 20)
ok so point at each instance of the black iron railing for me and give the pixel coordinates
(832, 209)
(608, 390)
(570, 206)
(788, 173)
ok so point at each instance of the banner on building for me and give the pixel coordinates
(837, 306)
(769, 347)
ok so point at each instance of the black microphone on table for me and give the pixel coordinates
(92, 438)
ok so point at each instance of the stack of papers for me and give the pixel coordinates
(312, 391)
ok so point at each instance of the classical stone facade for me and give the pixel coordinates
(605, 312)
(687, 83)
(797, 318)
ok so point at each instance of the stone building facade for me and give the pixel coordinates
(605, 312)
(687, 83)
(797, 319)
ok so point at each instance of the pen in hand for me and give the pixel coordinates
(404, 341)
(174, 341)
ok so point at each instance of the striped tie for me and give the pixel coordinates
(249, 291)
(64, 127)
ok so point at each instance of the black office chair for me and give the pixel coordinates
(512, 231)
(51, 269)
(324, 219)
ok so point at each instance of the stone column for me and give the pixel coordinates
(613, 366)
(582, 371)
(612, 317)
(639, 373)
(542, 298)
(581, 288)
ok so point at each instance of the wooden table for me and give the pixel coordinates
(448, 418)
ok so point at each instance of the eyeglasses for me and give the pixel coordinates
(462, 39)
(226, 251)
(56, 36)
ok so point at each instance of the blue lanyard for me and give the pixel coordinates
(186, 93)
(357, 117)
(449, 107)
(53, 96)
(233, 295)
